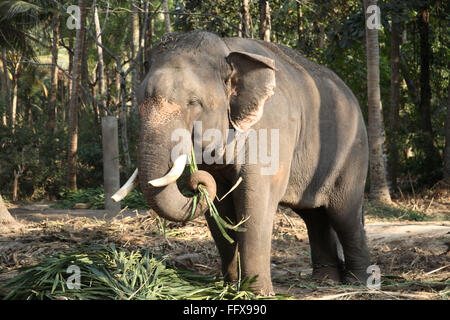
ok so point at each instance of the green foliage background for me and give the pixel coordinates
(332, 34)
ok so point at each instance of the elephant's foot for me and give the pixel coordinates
(356, 277)
(256, 287)
(263, 289)
(327, 273)
(262, 286)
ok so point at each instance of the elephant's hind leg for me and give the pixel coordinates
(325, 246)
(348, 223)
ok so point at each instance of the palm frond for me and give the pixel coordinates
(15, 18)
(19, 12)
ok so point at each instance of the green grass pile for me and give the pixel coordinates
(114, 273)
(96, 199)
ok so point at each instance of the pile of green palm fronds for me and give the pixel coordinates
(95, 197)
(203, 194)
(110, 273)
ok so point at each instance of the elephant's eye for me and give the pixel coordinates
(194, 102)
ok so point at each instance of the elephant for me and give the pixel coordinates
(252, 85)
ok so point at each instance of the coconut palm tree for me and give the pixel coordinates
(378, 184)
(15, 18)
(73, 103)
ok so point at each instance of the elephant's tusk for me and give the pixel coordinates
(126, 188)
(174, 173)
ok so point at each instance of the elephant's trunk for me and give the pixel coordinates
(154, 162)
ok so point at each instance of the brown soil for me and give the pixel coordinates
(414, 257)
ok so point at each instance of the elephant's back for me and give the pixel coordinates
(322, 75)
(332, 131)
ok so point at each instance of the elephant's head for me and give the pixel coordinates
(194, 77)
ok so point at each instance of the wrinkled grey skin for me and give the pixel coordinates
(323, 156)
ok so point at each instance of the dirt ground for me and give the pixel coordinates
(414, 257)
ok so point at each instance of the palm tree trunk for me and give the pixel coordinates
(447, 138)
(17, 174)
(6, 85)
(378, 185)
(4, 96)
(148, 43)
(69, 81)
(433, 160)
(54, 74)
(245, 10)
(101, 67)
(299, 26)
(165, 6)
(117, 83)
(124, 127)
(264, 20)
(134, 50)
(394, 104)
(74, 100)
(14, 96)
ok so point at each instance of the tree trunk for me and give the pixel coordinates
(447, 138)
(17, 174)
(245, 11)
(74, 100)
(135, 45)
(14, 97)
(3, 92)
(5, 217)
(148, 44)
(321, 35)
(54, 74)
(101, 67)
(96, 110)
(84, 79)
(432, 157)
(118, 93)
(69, 81)
(66, 101)
(165, 6)
(394, 104)
(299, 26)
(6, 85)
(378, 185)
(123, 126)
(264, 20)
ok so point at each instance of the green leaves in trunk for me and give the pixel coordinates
(203, 193)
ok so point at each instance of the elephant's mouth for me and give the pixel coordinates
(178, 182)
(172, 176)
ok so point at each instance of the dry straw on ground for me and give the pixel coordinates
(413, 265)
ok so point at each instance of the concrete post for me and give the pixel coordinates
(111, 173)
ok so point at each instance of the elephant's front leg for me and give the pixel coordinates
(253, 201)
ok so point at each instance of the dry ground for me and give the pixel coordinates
(414, 257)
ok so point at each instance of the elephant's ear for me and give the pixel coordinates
(251, 84)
